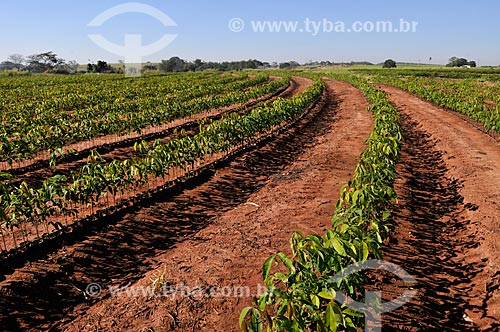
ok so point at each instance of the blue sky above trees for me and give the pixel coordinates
(467, 29)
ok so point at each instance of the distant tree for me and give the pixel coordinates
(17, 60)
(102, 67)
(452, 61)
(174, 64)
(289, 65)
(149, 67)
(389, 63)
(198, 63)
(460, 62)
(44, 62)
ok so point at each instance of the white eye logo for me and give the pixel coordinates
(133, 51)
(373, 307)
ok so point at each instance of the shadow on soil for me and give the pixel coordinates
(51, 288)
(427, 244)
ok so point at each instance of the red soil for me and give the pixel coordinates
(190, 125)
(448, 221)
(213, 235)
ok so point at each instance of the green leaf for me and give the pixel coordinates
(315, 300)
(256, 321)
(326, 295)
(281, 277)
(355, 197)
(344, 228)
(243, 315)
(339, 314)
(287, 261)
(262, 302)
(353, 313)
(364, 251)
(331, 320)
(5, 176)
(337, 245)
(266, 268)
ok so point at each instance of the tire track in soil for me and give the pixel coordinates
(427, 239)
(446, 223)
(230, 252)
(47, 293)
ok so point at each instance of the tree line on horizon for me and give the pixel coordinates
(50, 62)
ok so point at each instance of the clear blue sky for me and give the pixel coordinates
(468, 29)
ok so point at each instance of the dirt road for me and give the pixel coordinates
(229, 253)
(448, 221)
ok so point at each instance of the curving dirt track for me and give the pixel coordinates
(211, 234)
(448, 218)
(229, 253)
(125, 149)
